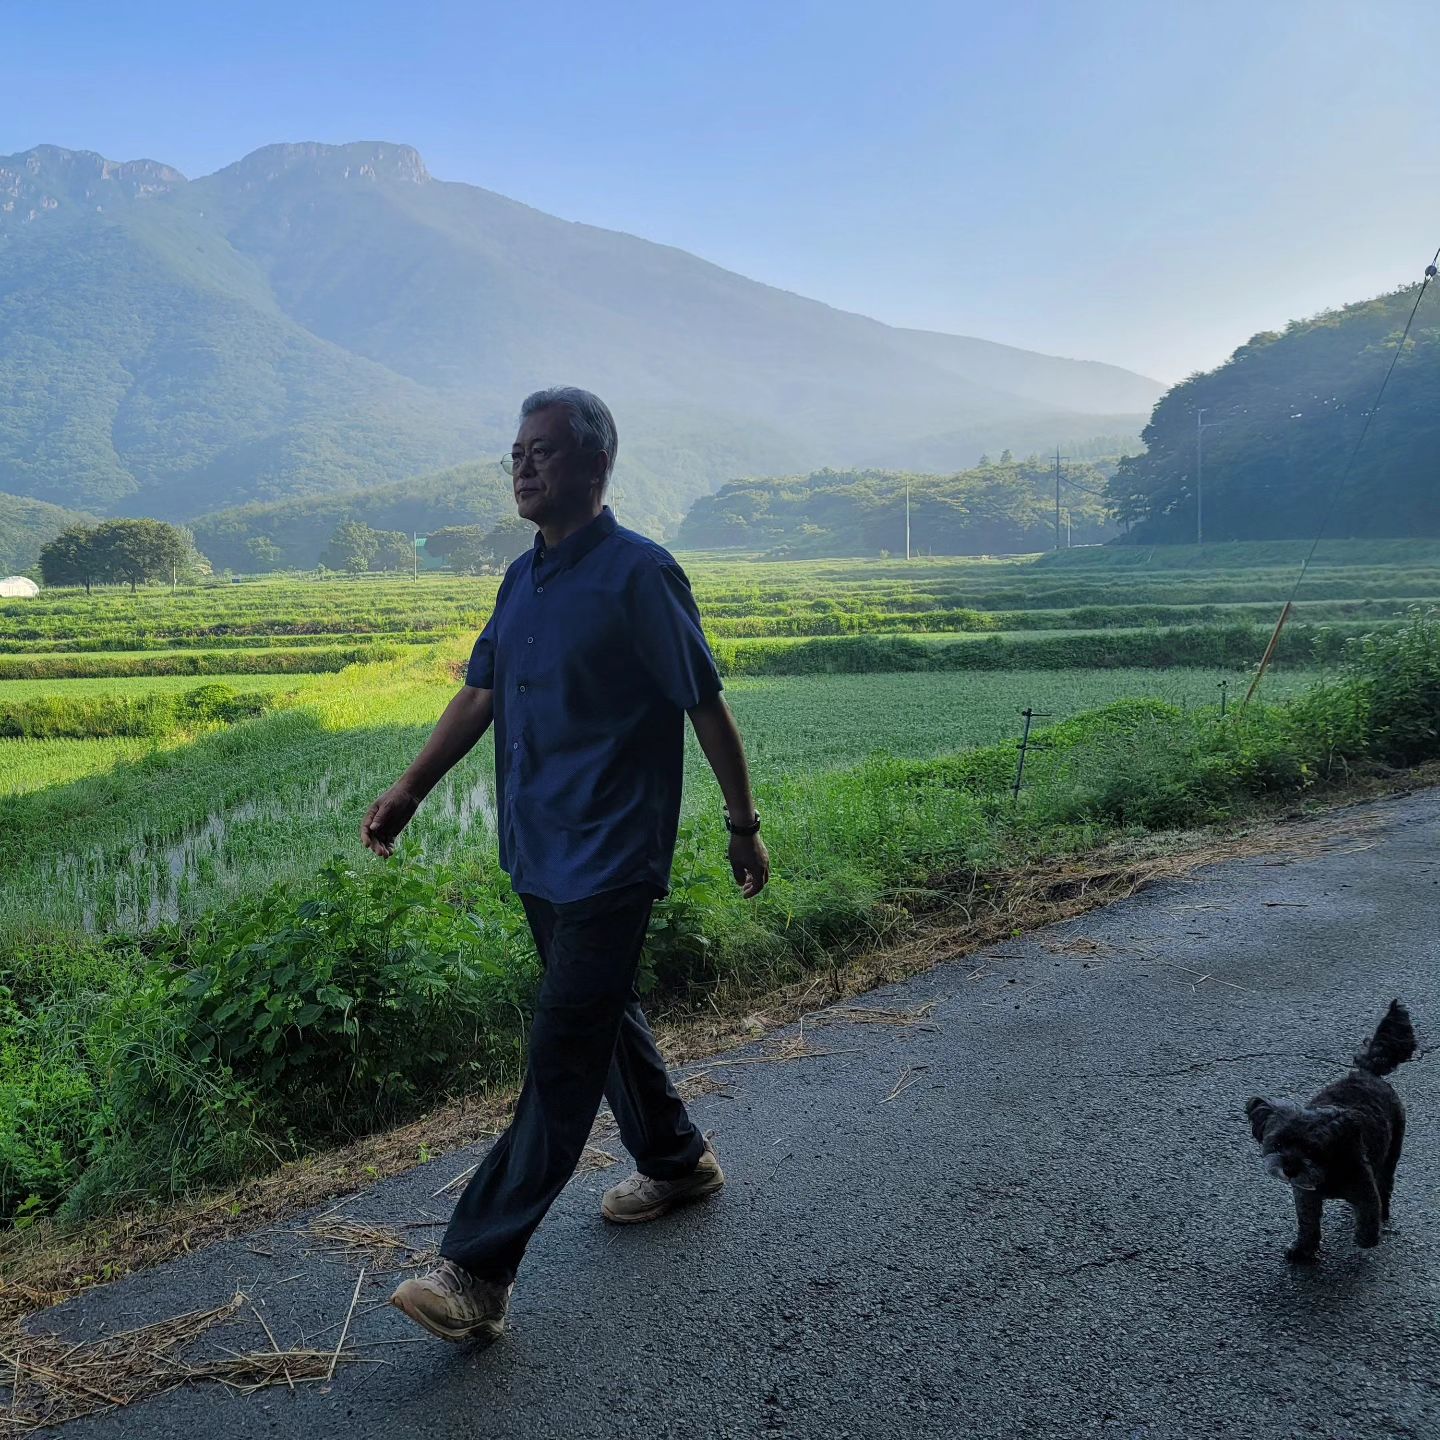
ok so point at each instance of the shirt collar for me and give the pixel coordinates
(574, 548)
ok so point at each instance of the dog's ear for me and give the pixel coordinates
(1258, 1112)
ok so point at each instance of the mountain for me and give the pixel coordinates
(25, 525)
(1003, 507)
(319, 319)
(1282, 418)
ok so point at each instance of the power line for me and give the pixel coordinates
(1335, 488)
(1431, 270)
(1076, 485)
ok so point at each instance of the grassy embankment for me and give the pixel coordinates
(145, 1064)
(194, 987)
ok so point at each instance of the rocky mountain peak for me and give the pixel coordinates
(50, 178)
(362, 161)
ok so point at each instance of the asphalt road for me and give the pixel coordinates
(1058, 1228)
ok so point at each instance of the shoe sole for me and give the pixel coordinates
(687, 1197)
(489, 1330)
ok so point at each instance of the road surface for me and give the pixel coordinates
(1058, 1227)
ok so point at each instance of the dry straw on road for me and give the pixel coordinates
(52, 1381)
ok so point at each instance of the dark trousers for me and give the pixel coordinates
(589, 1037)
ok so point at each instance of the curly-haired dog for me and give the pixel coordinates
(1345, 1143)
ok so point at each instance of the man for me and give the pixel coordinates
(587, 667)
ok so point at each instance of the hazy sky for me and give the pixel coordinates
(1147, 182)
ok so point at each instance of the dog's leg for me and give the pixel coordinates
(1365, 1199)
(1387, 1170)
(1308, 1206)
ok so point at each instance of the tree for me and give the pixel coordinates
(264, 552)
(509, 538)
(195, 566)
(395, 550)
(130, 552)
(137, 551)
(69, 559)
(464, 547)
(352, 547)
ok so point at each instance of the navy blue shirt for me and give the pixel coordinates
(595, 653)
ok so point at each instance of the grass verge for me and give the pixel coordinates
(47, 1263)
(142, 1094)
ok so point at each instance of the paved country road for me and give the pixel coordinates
(1057, 1228)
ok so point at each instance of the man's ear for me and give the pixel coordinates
(1258, 1112)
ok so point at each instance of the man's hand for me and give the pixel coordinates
(750, 864)
(386, 818)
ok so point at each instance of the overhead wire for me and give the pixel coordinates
(1339, 482)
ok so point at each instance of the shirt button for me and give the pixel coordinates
(516, 745)
(529, 639)
(539, 589)
(522, 689)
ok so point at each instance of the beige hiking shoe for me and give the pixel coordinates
(640, 1198)
(454, 1304)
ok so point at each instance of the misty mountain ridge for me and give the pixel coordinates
(315, 319)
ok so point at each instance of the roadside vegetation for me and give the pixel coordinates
(203, 973)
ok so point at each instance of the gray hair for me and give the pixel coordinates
(591, 422)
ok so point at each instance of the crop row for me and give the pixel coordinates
(119, 639)
(311, 660)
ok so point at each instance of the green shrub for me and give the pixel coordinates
(89, 717)
(1209, 646)
(382, 987)
(1399, 671)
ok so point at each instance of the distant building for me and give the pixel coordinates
(17, 587)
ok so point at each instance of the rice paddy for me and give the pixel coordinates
(214, 860)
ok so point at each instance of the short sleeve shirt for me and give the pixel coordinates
(594, 652)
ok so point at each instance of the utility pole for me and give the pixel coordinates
(414, 554)
(1058, 458)
(1199, 475)
(907, 519)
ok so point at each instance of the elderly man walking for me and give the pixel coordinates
(589, 664)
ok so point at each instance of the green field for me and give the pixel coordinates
(147, 685)
(879, 703)
(177, 830)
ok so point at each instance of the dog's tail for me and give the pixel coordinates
(1392, 1044)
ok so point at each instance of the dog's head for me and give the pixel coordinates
(1298, 1142)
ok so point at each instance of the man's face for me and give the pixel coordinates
(553, 476)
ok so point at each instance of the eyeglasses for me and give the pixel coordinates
(539, 455)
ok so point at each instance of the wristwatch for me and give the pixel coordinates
(743, 830)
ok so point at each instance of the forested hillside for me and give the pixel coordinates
(25, 525)
(319, 319)
(1280, 420)
(298, 530)
(999, 508)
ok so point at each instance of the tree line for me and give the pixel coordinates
(356, 547)
(141, 552)
(121, 552)
(1004, 506)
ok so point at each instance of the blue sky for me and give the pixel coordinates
(1143, 183)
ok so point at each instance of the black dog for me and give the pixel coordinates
(1345, 1143)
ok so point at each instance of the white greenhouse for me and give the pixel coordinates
(17, 587)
